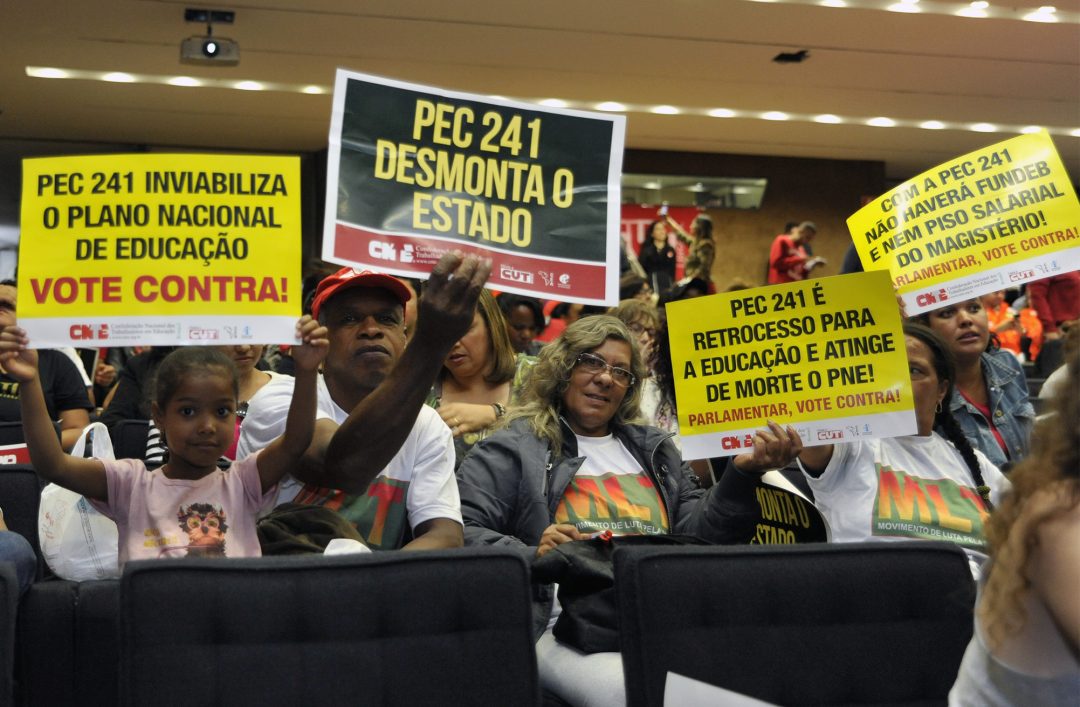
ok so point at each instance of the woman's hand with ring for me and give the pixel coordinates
(467, 417)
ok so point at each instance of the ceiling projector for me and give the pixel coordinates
(216, 51)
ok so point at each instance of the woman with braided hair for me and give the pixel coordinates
(929, 486)
(1026, 647)
(990, 393)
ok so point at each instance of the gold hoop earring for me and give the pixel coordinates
(938, 408)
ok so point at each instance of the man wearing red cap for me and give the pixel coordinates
(380, 457)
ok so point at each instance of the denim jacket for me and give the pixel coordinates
(1013, 413)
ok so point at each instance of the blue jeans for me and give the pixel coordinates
(16, 549)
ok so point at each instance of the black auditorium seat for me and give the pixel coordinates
(401, 628)
(9, 603)
(20, 497)
(844, 624)
(129, 438)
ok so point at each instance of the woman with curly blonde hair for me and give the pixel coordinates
(1026, 647)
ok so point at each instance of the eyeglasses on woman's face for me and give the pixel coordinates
(639, 329)
(593, 365)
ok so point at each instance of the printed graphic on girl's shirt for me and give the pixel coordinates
(930, 509)
(204, 526)
(625, 504)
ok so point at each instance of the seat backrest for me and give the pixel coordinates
(855, 623)
(68, 644)
(395, 628)
(9, 603)
(20, 497)
(11, 433)
(129, 438)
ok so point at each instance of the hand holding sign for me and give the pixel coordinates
(774, 448)
(415, 171)
(20, 362)
(825, 355)
(987, 220)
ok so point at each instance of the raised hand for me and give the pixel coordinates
(20, 362)
(312, 351)
(446, 310)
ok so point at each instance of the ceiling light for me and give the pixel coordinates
(932, 125)
(882, 122)
(1075, 132)
(169, 80)
(722, 113)
(828, 118)
(46, 72)
(984, 128)
(953, 8)
(611, 106)
(1043, 14)
(699, 187)
(554, 103)
(651, 185)
(774, 115)
(1030, 129)
(665, 110)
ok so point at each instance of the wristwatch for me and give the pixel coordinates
(500, 410)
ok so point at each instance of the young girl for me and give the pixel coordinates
(189, 507)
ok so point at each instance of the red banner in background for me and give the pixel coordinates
(635, 222)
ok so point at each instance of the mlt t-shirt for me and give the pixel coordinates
(611, 492)
(906, 488)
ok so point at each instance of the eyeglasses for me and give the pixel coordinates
(638, 329)
(594, 366)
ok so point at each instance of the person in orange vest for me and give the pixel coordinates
(1011, 327)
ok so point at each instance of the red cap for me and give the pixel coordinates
(349, 277)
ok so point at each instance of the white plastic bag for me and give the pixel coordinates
(77, 541)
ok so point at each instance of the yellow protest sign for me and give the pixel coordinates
(991, 219)
(160, 249)
(826, 356)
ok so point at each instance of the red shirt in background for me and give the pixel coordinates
(1056, 299)
(787, 260)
